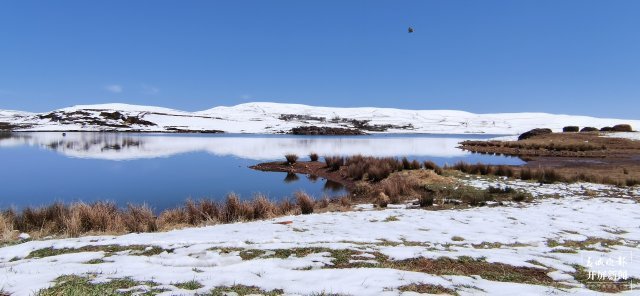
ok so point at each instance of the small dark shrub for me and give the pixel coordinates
(588, 129)
(415, 165)
(313, 157)
(622, 128)
(534, 132)
(606, 129)
(570, 129)
(291, 158)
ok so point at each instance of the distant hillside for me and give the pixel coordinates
(273, 118)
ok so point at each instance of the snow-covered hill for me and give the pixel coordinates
(272, 118)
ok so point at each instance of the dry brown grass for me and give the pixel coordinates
(305, 202)
(545, 175)
(375, 169)
(78, 219)
(6, 229)
(334, 162)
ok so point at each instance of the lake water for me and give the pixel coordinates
(164, 170)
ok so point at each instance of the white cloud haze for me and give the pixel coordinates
(149, 89)
(114, 88)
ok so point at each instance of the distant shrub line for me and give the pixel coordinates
(543, 175)
(376, 169)
(575, 147)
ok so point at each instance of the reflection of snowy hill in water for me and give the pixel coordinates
(118, 146)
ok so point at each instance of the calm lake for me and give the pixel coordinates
(164, 170)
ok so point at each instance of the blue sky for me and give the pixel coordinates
(569, 56)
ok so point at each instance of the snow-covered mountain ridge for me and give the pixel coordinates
(270, 118)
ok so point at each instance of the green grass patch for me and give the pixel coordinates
(497, 245)
(467, 266)
(242, 290)
(584, 244)
(108, 249)
(427, 289)
(95, 261)
(73, 285)
(190, 285)
(391, 219)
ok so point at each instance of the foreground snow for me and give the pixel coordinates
(272, 118)
(524, 230)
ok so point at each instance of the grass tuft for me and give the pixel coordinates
(305, 202)
(291, 158)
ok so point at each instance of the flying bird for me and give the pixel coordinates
(410, 30)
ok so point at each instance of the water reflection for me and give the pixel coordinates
(333, 186)
(291, 177)
(312, 178)
(123, 146)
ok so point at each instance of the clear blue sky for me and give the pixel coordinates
(569, 56)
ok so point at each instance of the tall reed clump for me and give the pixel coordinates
(139, 218)
(6, 226)
(305, 202)
(291, 158)
(376, 168)
(313, 156)
(334, 162)
(430, 165)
